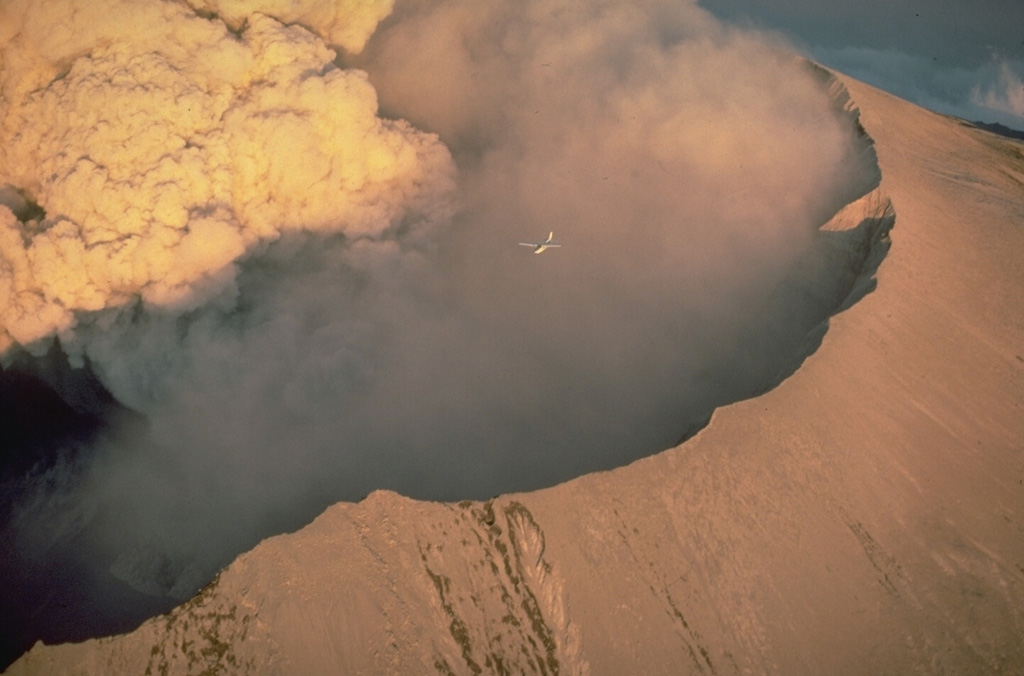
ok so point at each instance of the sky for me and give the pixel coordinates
(957, 57)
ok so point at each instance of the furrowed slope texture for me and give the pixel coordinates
(865, 516)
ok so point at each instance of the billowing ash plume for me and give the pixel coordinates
(159, 169)
(305, 300)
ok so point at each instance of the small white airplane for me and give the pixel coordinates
(542, 246)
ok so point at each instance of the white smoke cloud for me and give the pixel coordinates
(247, 253)
(1006, 95)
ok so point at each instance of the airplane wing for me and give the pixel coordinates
(541, 246)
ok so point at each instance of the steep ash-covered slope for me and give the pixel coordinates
(865, 516)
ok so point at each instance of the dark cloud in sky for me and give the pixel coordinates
(957, 57)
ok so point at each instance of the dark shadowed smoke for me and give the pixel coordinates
(684, 166)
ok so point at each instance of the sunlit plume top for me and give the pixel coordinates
(344, 23)
(161, 147)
